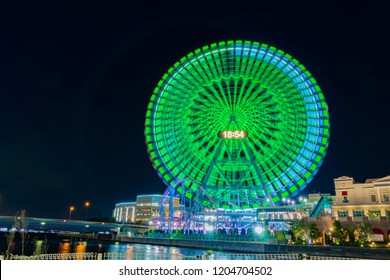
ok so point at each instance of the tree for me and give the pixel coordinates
(20, 225)
(364, 232)
(339, 232)
(350, 229)
(23, 229)
(314, 232)
(10, 243)
(302, 230)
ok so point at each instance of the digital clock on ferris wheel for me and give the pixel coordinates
(233, 134)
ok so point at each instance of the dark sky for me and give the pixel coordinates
(76, 77)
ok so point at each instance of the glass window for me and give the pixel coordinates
(385, 197)
(373, 198)
(358, 213)
(345, 199)
(343, 213)
(374, 213)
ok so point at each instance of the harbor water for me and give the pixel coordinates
(51, 243)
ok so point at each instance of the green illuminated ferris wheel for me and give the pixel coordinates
(243, 120)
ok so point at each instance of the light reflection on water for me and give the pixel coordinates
(54, 245)
(67, 246)
(145, 250)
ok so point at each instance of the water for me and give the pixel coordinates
(57, 244)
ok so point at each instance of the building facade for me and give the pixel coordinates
(353, 203)
(124, 212)
(364, 202)
(145, 210)
(358, 200)
(148, 208)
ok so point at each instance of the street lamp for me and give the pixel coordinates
(87, 204)
(71, 208)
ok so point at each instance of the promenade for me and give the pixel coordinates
(253, 247)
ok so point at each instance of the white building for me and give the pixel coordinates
(358, 200)
(145, 209)
(124, 212)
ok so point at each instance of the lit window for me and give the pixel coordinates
(358, 213)
(343, 213)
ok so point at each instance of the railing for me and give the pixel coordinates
(242, 238)
(165, 256)
(257, 257)
(274, 257)
(105, 256)
(146, 256)
(67, 256)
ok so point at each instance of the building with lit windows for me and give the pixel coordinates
(124, 212)
(353, 203)
(148, 208)
(145, 210)
(364, 202)
(358, 200)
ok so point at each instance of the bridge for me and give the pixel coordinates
(44, 224)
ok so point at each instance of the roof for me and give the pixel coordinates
(343, 178)
(382, 180)
(371, 180)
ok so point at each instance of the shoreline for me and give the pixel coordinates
(263, 248)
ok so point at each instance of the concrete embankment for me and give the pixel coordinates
(258, 248)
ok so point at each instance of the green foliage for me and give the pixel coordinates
(350, 229)
(374, 213)
(302, 231)
(314, 232)
(364, 233)
(339, 233)
(361, 233)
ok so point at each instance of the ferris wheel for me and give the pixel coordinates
(244, 120)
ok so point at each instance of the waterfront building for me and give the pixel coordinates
(148, 208)
(352, 204)
(364, 202)
(145, 210)
(124, 212)
(355, 201)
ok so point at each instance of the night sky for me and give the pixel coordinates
(75, 81)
